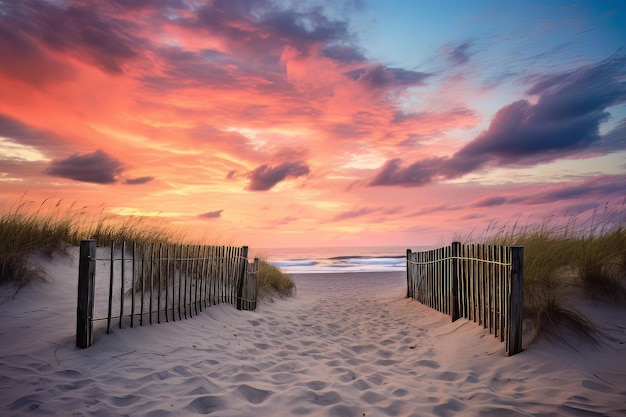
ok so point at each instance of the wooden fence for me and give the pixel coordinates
(147, 283)
(483, 283)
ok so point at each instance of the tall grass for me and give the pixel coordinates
(567, 255)
(273, 282)
(23, 232)
(49, 227)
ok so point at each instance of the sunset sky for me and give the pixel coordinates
(274, 123)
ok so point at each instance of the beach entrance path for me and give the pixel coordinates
(346, 345)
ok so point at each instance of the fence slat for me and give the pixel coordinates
(143, 282)
(123, 267)
(454, 277)
(481, 286)
(151, 276)
(242, 277)
(111, 274)
(133, 288)
(514, 337)
(86, 290)
(203, 279)
(194, 279)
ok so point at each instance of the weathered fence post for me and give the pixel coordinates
(516, 303)
(255, 287)
(408, 276)
(86, 286)
(454, 277)
(242, 276)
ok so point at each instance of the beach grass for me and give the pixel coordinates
(273, 282)
(51, 226)
(23, 232)
(565, 258)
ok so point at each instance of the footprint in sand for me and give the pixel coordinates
(428, 363)
(449, 376)
(361, 385)
(372, 397)
(316, 385)
(323, 398)
(449, 408)
(400, 392)
(206, 404)
(253, 395)
(385, 362)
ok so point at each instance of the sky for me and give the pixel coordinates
(293, 123)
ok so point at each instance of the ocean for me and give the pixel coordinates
(337, 259)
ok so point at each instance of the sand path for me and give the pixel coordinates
(347, 345)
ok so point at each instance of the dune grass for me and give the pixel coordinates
(23, 232)
(273, 282)
(563, 258)
(51, 226)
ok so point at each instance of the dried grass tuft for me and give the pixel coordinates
(563, 253)
(273, 282)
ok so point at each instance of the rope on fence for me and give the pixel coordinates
(461, 258)
(164, 257)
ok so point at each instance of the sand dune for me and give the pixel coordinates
(346, 345)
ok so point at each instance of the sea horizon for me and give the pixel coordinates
(339, 259)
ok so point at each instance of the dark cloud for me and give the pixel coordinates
(265, 177)
(262, 28)
(416, 174)
(490, 201)
(343, 53)
(185, 69)
(81, 29)
(27, 135)
(593, 188)
(27, 57)
(305, 27)
(380, 76)
(138, 180)
(150, 4)
(520, 134)
(211, 214)
(565, 121)
(566, 118)
(97, 167)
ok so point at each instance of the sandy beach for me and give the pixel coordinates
(345, 345)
